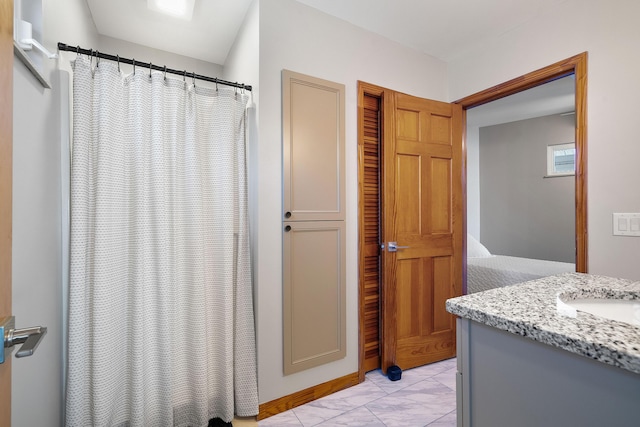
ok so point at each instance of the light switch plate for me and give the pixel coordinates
(626, 224)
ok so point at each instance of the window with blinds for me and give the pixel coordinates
(561, 159)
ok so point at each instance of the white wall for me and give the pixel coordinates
(37, 277)
(37, 261)
(523, 213)
(242, 65)
(610, 33)
(157, 57)
(302, 39)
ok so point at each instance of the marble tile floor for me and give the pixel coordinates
(425, 396)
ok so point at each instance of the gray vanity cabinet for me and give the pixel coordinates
(508, 380)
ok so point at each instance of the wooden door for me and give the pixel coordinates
(6, 161)
(423, 213)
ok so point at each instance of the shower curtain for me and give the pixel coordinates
(161, 328)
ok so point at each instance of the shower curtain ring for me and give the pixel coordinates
(118, 59)
(193, 78)
(165, 72)
(134, 66)
(216, 84)
(184, 76)
(97, 58)
(77, 49)
(150, 65)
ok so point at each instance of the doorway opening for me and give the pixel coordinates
(520, 186)
(576, 66)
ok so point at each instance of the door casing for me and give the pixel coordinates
(576, 65)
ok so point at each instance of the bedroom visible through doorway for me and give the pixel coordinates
(575, 66)
(523, 214)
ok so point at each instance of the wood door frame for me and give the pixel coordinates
(6, 176)
(576, 65)
(376, 91)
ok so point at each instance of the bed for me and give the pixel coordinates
(486, 271)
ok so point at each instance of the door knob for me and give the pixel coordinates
(29, 338)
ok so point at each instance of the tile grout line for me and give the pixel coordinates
(297, 417)
(435, 421)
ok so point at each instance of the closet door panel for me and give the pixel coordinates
(313, 148)
(314, 294)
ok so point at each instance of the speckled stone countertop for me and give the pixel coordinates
(530, 309)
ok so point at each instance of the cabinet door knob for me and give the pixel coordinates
(287, 215)
(287, 228)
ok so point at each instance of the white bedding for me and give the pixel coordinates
(499, 270)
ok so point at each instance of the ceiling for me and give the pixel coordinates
(445, 29)
(208, 36)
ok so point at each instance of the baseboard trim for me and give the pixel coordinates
(310, 394)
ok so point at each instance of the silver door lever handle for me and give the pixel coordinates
(393, 247)
(29, 338)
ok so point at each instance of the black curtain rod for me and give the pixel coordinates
(147, 65)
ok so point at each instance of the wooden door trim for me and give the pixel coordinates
(293, 400)
(6, 176)
(576, 65)
(364, 89)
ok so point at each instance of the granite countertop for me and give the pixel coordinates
(530, 309)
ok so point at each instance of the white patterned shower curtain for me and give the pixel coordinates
(161, 329)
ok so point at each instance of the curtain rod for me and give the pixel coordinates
(147, 65)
